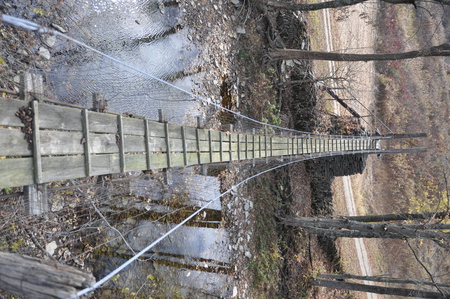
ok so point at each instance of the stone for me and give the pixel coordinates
(236, 3)
(51, 247)
(44, 52)
(240, 30)
(235, 292)
(50, 41)
(248, 254)
(59, 28)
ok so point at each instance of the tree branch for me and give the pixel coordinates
(424, 267)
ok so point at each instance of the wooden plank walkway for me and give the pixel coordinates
(65, 143)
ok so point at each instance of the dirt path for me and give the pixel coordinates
(363, 258)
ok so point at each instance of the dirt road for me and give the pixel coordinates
(364, 263)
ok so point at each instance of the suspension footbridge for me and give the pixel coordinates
(43, 142)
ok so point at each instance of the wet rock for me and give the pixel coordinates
(44, 52)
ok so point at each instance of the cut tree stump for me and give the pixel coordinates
(35, 278)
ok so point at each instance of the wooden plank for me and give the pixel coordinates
(265, 146)
(62, 168)
(147, 144)
(87, 142)
(136, 162)
(105, 163)
(246, 146)
(8, 110)
(121, 142)
(302, 151)
(102, 122)
(260, 146)
(59, 118)
(16, 172)
(103, 143)
(271, 146)
(175, 131)
(221, 146)
(36, 143)
(183, 135)
(238, 146)
(12, 143)
(61, 142)
(167, 139)
(253, 146)
(133, 126)
(210, 146)
(230, 140)
(198, 145)
(215, 135)
(134, 144)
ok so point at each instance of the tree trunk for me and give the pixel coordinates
(378, 289)
(336, 228)
(36, 278)
(381, 279)
(397, 217)
(336, 4)
(288, 54)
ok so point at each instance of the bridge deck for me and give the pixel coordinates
(63, 143)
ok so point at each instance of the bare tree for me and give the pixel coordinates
(397, 291)
(338, 3)
(288, 54)
(338, 228)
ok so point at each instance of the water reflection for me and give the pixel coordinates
(147, 35)
(191, 263)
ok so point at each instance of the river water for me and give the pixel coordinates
(150, 36)
(144, 34)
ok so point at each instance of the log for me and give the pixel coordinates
(31, 277)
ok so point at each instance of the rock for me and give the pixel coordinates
(59, 28)
(23, 52)
(246, 206)
(44, 52)
(50, 41)
(235, 292)
(240, 30)
(51, 247)
(236, 3)
(248, 254)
